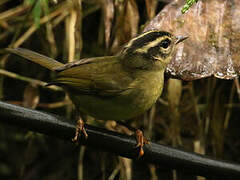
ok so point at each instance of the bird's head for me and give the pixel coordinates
(150, 50)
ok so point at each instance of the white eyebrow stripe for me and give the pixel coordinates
(145, 48)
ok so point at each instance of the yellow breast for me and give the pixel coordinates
(141, 95)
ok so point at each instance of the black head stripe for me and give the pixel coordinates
(146, 38)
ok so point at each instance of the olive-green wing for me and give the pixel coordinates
(103, 76)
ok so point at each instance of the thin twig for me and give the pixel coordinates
(72, 23)
(59, 19)
(43, 20)
(55, 104)
(11, 13)
(30, 80)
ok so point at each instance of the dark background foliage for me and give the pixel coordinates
(200, 116)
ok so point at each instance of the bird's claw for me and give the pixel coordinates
(80, 129)
(141, 141)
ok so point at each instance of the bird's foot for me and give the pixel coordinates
(80, 129)
(141, 141)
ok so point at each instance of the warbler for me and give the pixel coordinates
(116, 87)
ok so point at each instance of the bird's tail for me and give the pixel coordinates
(40, 59)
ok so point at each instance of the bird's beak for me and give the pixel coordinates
(180, 39)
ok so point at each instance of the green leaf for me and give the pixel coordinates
(30, 2)
(37, 11)
(187, 5)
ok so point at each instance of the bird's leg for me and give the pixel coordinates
(123, 127)
(80, 129)
(141, 141)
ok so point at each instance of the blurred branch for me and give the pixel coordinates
(72, 24)
(13, 12)
(43, 20)
(3, 2)
(119, 144)
(30, 80)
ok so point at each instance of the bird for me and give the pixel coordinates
(118, 87)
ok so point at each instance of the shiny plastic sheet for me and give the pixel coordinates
(213, 47)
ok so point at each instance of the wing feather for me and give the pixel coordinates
(103, 76)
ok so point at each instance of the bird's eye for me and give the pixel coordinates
(165, 43)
